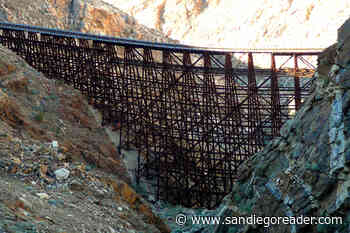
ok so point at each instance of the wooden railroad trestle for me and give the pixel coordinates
(192, 114)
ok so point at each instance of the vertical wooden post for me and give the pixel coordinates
(297, 91)
(275, 99)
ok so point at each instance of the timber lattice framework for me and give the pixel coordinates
(194, 114)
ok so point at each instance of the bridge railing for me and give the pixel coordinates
(194, 114)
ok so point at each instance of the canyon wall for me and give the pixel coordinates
(242, 24)
(92, 16)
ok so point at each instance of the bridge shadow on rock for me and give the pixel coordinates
(192, 115)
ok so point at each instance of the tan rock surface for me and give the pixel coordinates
(93, 16)
(243, 24)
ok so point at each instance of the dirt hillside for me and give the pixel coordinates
(59, 170)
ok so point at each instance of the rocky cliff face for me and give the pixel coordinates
(92, 16)
(306, 170)
(242, 24)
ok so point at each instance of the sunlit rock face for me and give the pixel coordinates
(305, 172)
(92, 16)
(242, 24)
